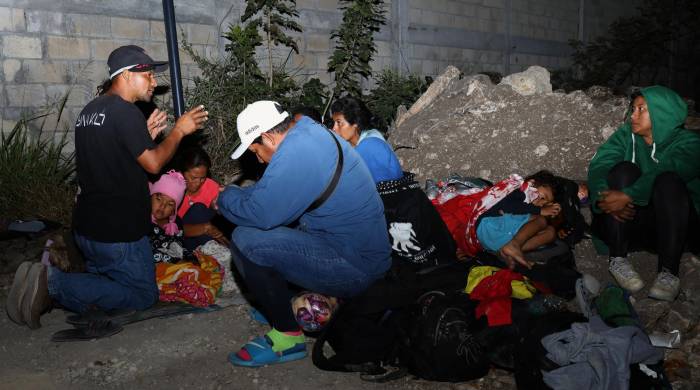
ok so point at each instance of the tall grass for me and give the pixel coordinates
(36, 175)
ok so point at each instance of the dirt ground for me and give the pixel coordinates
(189, 352)
(184, 352)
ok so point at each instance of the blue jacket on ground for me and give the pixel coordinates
(351, 220)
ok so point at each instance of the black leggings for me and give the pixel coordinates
(270, 289)
(664, 226)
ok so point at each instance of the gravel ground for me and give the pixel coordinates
(190, 351)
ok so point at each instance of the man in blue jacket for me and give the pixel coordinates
(338, 248)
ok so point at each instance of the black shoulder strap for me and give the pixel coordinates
(320, 360)
(334, 180)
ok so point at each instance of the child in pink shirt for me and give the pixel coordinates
(204, 190)
(195, 210)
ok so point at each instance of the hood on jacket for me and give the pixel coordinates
(667, 112)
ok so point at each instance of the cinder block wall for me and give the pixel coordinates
(50, 46)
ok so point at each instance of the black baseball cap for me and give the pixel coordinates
(132, 58)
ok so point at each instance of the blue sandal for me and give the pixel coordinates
(261, 353)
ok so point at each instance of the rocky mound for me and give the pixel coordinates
(472, 127)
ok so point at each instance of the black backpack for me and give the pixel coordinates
(364, 342)
(365, 333)
(407, 208)
(438, 339)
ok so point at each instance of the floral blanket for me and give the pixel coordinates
(186, 282)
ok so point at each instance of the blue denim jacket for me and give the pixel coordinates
(352, 218)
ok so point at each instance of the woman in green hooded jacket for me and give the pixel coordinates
(644, 184)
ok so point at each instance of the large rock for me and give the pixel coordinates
(533, 80)
(436, 88)
(475, 128)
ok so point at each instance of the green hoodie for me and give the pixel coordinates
(674, 148)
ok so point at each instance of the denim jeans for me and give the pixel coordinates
(118, 275)
(269, 259)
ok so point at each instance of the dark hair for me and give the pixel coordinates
(279, 128)
(257, 140)
(282, 126)
(635, 94)
(544, 178)
(104, 87)
(354, 111)
(192, 157)
(307, 111)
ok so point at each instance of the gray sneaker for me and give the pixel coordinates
(625, 275)
(666, 287)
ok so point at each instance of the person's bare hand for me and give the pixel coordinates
(612, 201)
(626, 214)
(563, 233)
(216, 234)
(550, 210)
(215, 203)
(157, 122)
(192, 120)
(512, 254)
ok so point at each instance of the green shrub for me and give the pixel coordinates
(36, 175)
(393, 90)
(355, 46)
(273, 16)
(313, 94)
(659, 42)
(226, 86)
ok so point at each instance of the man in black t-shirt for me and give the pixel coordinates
(114, 151)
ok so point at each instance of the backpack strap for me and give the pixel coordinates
(320, 360)
(334, 180)
(336, 362)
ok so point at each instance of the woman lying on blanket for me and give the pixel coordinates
(197, 279)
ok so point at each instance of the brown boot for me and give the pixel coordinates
(36, 296)
(13, 305)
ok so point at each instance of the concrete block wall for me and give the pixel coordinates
(475, 34)
(48, 47)
(423, 37)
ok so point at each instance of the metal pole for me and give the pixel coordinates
(508, 32)
(673, 46)
(581, 19)
(173, 57)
